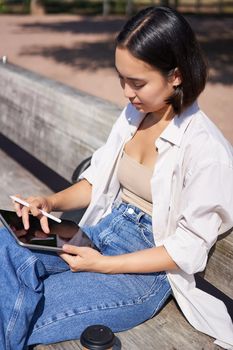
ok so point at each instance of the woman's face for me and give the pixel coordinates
(143, 85)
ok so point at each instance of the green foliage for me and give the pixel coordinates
(14, 7)
(94, 7)
(119, 6)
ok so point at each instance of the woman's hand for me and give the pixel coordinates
(83, 258)
(35, 203)
(143, 261)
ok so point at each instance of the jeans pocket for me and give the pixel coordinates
(146, 235)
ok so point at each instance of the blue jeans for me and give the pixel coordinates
(42, 301)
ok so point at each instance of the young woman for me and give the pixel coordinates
(159, 193)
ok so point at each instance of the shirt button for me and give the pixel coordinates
(130, 211)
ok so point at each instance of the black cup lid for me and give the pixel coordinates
(97, 337)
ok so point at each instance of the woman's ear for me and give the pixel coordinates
(176, 78)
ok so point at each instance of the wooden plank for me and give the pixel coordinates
(219, 270)
(69, 345)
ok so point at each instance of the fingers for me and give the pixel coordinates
(44, 224)
(25, 217)
(73, 256)
(72, 249)
(70, 260)
(35, 204)
(18, 207)
(82, 258)
(33, 209)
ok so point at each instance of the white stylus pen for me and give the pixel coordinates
(16, 199)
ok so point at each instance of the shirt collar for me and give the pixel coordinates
(134, 118)
(175, 130)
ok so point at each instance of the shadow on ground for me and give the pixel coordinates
(81, 56)
(214, 33)
(83, 25)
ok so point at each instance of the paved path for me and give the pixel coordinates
(79, 51)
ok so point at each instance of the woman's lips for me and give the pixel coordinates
(136, 104)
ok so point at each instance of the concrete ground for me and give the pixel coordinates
(79, 51)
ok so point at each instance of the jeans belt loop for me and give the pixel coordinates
(140, 215)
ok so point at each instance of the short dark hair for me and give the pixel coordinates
(161, 37)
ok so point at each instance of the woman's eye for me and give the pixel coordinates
(139, 85)
(134, 85)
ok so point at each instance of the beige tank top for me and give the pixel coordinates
(135, 179)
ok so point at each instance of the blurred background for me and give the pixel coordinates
(106, 7)
(72, 41)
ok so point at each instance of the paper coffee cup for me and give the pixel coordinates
(97, 337)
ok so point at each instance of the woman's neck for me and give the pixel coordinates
(163, 116)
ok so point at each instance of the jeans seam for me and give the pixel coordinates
(161, 302)
(26, 264)
(19, 300)
(149, 292)
(107, 240)
(141, 233)
(16, 310)
(151, 245)
(93, 309)
(132, 219)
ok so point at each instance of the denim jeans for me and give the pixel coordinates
(42, 301)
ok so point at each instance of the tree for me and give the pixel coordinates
(106, 7)
(37, 7)
(129, 7)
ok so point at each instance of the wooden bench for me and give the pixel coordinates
(58, 124)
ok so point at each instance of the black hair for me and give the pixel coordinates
(161, 37)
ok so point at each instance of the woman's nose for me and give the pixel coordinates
(128, 91)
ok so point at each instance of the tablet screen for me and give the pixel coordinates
(60, 233)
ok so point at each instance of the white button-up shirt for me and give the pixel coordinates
(192, 192)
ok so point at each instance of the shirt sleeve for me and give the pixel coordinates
(205, 212)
